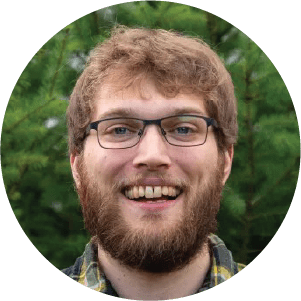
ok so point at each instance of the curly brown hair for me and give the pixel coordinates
(175, 63)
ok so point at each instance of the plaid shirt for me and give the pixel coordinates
(86, 270)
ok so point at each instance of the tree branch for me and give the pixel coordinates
(251, 163)
(284, 175)
(51, 90)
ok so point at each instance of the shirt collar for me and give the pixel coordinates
(222, 268)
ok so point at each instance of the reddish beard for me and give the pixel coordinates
(168, 251)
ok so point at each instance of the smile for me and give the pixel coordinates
(151, 192)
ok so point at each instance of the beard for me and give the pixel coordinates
(164, 250)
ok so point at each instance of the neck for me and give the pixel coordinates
(138, 285)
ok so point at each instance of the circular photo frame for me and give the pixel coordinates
(42, 202)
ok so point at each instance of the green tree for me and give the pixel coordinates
(34, 157)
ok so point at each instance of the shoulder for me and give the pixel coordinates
(74, 270)
(222, 256)
(239, 267)
(90, 254)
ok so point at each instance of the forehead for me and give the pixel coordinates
(146, 103)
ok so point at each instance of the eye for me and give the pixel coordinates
(183, 130)
(120, 130)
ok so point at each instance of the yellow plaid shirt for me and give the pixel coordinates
(86, 270)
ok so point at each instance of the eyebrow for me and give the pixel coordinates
(129, 112)
(188, 110)
(117, 112)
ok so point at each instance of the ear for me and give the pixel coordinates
(228, 163)
(74, 159)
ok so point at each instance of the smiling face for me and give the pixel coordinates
(155, 199)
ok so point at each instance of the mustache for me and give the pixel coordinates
(165, 180)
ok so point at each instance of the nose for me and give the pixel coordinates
(152, 150)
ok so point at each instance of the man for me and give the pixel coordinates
(152, 124)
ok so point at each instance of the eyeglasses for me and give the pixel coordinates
(124, 132)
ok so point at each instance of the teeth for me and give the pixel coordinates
(150, 192)
(165, 190)
(135, 192)
(171, 191)
(141, 191)
(130, 193)
(157, 192)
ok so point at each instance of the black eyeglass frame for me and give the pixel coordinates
(94, 126)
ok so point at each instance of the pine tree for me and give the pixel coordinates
(34, 157)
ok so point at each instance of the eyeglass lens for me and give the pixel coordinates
(126, 132)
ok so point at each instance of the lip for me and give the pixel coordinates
(150, 206)
(156, 206)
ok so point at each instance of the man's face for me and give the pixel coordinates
(165, 233)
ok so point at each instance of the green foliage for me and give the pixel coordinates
(34, 158)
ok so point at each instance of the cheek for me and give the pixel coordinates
(189, 162)
(107, 166)
(196, 163)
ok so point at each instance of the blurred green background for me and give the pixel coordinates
(35, 163)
